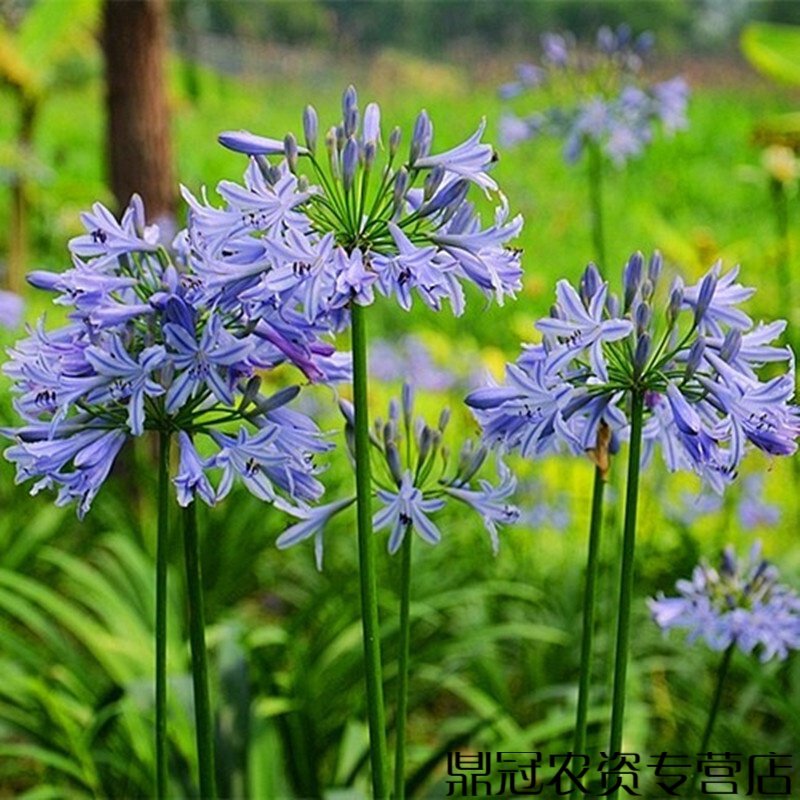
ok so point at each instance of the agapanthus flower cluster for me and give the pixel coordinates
(143, 351)
(316, 228)
(694, 368)
(742, 603)
(595, 96)
(413, 479)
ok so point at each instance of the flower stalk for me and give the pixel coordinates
(401, 720)
(626, 573)
(202, 701)
(162, 549)
(367, 566)
(587, 637)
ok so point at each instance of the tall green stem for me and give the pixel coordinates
(783, 273)
(197, 637)
(161, 614)
(626, 573)
(402, 670)
(595, 173)
(712, 714)
(366, 555)
(592, 564)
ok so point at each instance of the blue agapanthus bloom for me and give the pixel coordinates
(410, 487)
(595, 96)
(695, 366)
(315, 228)
(143, 351)
(741, 603)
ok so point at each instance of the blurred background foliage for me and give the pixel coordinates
(495, 641)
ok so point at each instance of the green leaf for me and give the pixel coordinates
(773, 49)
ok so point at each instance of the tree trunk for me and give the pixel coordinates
(138, 145)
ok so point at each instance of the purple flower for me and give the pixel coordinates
(414, 230)
(145, 350)
(696, 366)
(742, 603)
(11, 309)
(406, 509)
(613, 107)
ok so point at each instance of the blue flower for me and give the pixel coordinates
(595, 97)
(407, 486)
(406, 509)
(742, 603)
(351, 223)
(696, 368)
(145, 350)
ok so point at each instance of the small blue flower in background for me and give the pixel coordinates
(741, 603)
(12, 308)
(696, 365)
(410, 487)
(595, 96)
(142, 351)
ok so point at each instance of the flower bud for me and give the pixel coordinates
(331, 145)
(447, 199)
(349, 163)
(433, 181)
(706, 294)
(444, 418)
(349, 100)
(290, 146)
(591, 281)
(407, 398)
(642, 353)
(642, 316)
(394, 141)
(654, 266)
(310, 128)
(731, 345)
(632, 278)
(351, 122)
(694, 358)
(675, 300)
(393, 461)
(612, 305)
(372, 124)
(421, 137)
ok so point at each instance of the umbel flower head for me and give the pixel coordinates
(142, 351)
(741, 603)
(595, 96)
(319, 226)
(409, 485)
(694, 365)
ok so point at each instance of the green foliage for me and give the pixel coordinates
(774, 50)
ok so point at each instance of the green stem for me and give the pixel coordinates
(626, 573)
(402, 671)
(366, 555)
(584, 679)
(197, 636)
(712, 714)
(161, 614)
(595, 173)
(783, 272)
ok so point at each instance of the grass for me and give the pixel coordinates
(495, 641)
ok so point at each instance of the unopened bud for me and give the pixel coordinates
(706, 294)
(642, 353)
(731, 345)
(642, 316)
(444, 418)
(310, 128)
(632, 278)
(349, 163)
(590, 284)
(654, 266)
(394, 141)
(675, 300)
(290, 147)
(433, 181)
(399, 189)
(421, 137)
(694, 358)
(393, 461)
